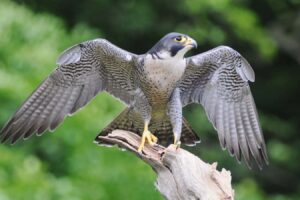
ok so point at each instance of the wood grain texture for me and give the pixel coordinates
(180, 174)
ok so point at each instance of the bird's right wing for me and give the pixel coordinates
(83, 71)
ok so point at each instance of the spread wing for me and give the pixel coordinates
(218, 79)
(83, 71)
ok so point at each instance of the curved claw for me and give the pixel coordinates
(147, 136)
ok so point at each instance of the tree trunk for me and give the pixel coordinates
(180, 174)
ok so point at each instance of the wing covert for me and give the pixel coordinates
(218, 79)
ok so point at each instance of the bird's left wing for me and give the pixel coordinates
(218, 79)
(83, 71)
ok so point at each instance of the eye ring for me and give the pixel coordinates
(178, 38)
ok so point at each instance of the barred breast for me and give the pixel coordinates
(160, 79)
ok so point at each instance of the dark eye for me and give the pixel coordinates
(178, 38)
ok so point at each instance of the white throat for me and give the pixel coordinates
(165, 71)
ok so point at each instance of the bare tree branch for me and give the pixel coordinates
(180, 174)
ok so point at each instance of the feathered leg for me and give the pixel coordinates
(175, 113)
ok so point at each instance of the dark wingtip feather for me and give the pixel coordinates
(4, 138)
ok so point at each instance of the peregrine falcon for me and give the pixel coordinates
(155, 86)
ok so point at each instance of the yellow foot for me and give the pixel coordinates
(177, 142)
(149, 137)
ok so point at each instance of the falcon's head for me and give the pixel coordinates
(173, 45)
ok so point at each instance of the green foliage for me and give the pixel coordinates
(64, 165)
(67, 165)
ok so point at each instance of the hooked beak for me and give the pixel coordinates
(191, 42)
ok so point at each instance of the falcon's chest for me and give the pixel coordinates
(163, 73)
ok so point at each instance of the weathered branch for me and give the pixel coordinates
(180, 174)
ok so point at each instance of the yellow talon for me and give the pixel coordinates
(147, 136)
(153, 138)
(177, 142)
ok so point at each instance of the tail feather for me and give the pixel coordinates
(189, 136)
(124, 121)
(131, 121)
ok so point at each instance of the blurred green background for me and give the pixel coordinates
(67, 165)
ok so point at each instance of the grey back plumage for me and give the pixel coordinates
(83, 71)
(218, 79)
